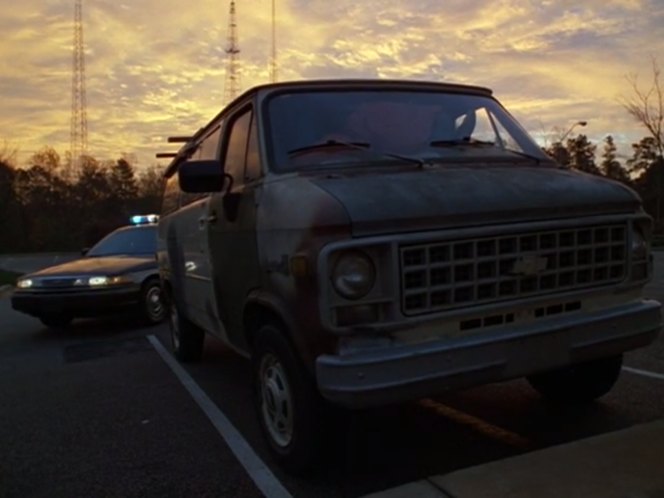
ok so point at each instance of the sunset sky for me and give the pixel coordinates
(156, 67)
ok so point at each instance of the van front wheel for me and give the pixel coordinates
(288, 405)
(579, 383)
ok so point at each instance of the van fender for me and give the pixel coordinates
(262, 306)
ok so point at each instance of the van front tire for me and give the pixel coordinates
(186, 338)
(581, 383)
(289, 407)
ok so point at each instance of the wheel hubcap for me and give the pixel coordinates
(154, 304)
(277, 403)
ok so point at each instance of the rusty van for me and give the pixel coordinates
(368, 242)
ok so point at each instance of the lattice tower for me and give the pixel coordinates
(79, 114)
(273, 58)
(232, 85)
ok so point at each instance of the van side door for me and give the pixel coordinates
(192, 223)
(232, 227)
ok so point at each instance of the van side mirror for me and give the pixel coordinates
(201, 176)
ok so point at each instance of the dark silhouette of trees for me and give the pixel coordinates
(47, 207)
(647, 167)
(646, 106)
(610, 166)
(582, 154)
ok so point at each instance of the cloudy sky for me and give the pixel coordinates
(156, 67)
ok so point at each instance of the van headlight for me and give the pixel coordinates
(639, 245)
(354, 275)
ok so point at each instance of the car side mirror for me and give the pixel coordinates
(84, 251)
(202, 176)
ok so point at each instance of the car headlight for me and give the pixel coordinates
(24, 283)
(639, 247)
(102, 281)
(354, 275)
(97, 281)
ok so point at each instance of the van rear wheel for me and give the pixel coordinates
(579, 383)
(187, 339)
(287, 402)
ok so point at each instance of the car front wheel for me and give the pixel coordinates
(152, 302)
(287, 403)
(579, 383)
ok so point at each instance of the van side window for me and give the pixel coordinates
(253, 169)
(209, 147)
(170, 200)
(236, 150)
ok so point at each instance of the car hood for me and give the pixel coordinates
(106, 265)
(417, 200)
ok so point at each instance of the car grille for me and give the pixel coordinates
(53, 283)
(446, 275)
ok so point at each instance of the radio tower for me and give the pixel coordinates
(232, 84)
(79, 115)
(273, 58)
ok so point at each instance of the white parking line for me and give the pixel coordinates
(255, 467)
(645, 373)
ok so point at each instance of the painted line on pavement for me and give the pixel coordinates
(645, 373)
(255, 467)
(477, 424)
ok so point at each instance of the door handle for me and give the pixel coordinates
(204, 220)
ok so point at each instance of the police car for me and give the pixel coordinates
(119, 273)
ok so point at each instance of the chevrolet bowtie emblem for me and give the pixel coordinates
(529, 266)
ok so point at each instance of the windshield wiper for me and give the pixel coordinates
(363, 146)
(329, 144)
(459, 141)
(472, 142)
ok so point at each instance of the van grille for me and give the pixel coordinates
(439, 276)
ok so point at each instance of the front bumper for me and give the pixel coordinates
(398, 373)
(78, 304)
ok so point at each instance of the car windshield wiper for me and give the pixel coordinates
(362, 146)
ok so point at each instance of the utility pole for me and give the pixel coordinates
(232, 85)
(78, 136)
(273, 58)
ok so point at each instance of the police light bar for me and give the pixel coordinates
(144, 219)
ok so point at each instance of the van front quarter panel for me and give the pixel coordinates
(295, 220)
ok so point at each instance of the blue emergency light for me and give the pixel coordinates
(144, 219)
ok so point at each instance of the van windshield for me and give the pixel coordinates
(309, 129)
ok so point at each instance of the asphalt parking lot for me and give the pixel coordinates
(96, 410)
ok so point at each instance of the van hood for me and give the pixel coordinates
(419, 200)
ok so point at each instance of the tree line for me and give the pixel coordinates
(49, 205)
(643, 171)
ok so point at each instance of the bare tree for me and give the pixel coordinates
(8, 153)
(646, 106)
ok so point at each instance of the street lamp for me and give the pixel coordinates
(578, 123)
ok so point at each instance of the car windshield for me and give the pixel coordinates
(132, 241)
(309, 129)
